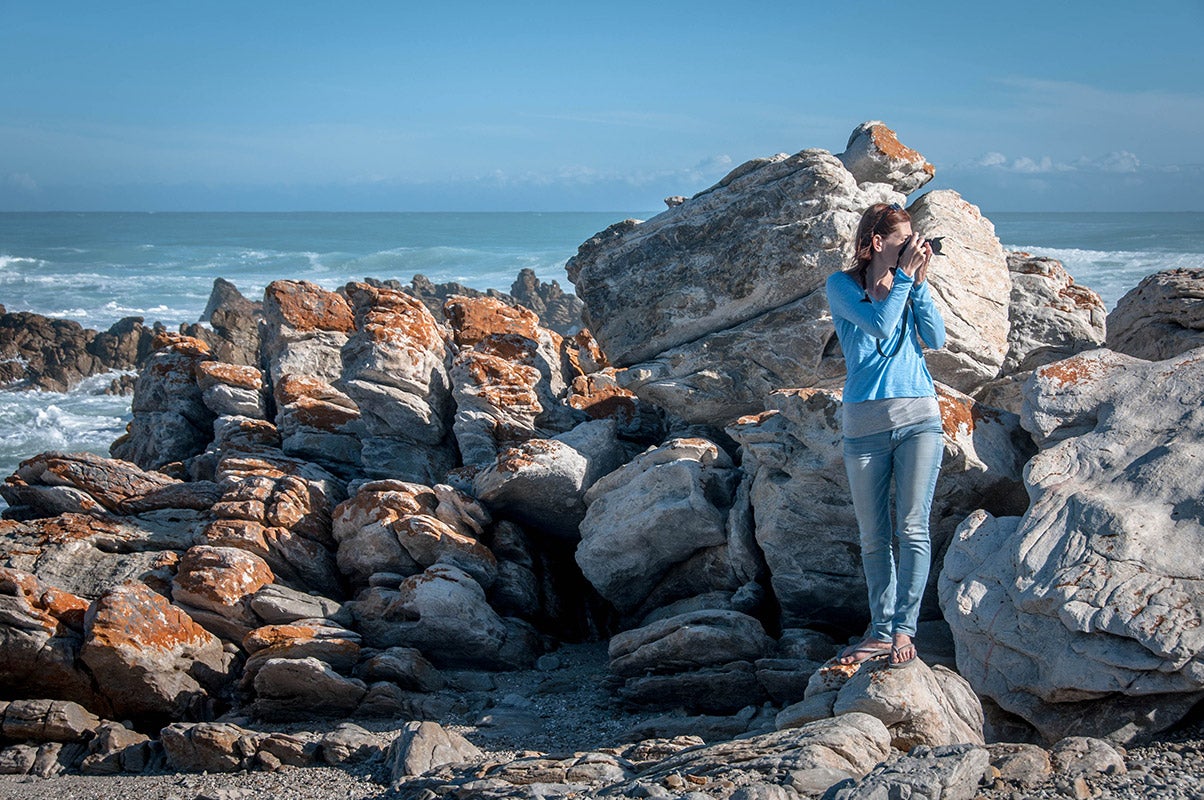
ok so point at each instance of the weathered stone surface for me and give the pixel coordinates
(875, 155)
(221, 580)
(231, 390)
(405, 667)
(852, 745)
(723, 689)
(114, 485)
(235, 323)
(1050, 318)
(390, 526)
(1082, 755)
(155, 659)
(280, 605)
(337, 648)
(87, 555)
(557, 309)
(971, 286)
(688, 641)
(798, 492)
(116, 749)
(542, 482)
(655, 513)
(316, 421)
(766, 235)
(1020, 763)
(290, 689)
(927, 773)
(1161, 317)
(348, 744)
(394, 370)
(443, 613)
(47, 721)
(18, 759)
(171, 421)
(1084, 615)
(423, 746)
(208, 746)
(599, 395)
(41, 630)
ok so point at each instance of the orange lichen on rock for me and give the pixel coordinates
(961, 414)
(179, 343)
(133, 617)
(307, 307)
(1072, 371)
(474, 318)
(210, 373)
(513, 459)
(888, 142)
(602, 398)
(389, 316)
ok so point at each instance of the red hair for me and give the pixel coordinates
(878, 220)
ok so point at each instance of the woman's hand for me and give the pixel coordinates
(914, 257)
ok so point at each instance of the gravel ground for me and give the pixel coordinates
(563, 710)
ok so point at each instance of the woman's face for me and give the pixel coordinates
(893, 242)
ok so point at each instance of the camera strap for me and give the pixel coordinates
(902, 334)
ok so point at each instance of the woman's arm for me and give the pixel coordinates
(878, 319)
(929, 323)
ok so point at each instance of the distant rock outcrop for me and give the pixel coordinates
(1161, 317)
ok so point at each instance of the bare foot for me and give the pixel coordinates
(864, 651)
(902, 651)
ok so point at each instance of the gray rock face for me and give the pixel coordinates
(208, 746)
(423, 746)
(299, 688)
(875, 155)
(543, 482)
(937, 773)
(1082, 755)
(689, 641)
(653, 514)
(1161, 317)
(47, 721)
(799, 495)
(1084, 615)
(1050, 318)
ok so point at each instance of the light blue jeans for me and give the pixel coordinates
(912, 456)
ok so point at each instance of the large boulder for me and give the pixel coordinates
(653, 515)
(38, 352)
(1084, 615)
(155, 660)
(215, 586)
(1161, 317)
(799, 495)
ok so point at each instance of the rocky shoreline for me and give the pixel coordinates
(532, 559)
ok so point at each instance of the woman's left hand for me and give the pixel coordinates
(915, 256)
(922, 272)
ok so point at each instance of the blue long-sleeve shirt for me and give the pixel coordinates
(862, 323)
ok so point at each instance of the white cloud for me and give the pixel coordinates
(1121, 161)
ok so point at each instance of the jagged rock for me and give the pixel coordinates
(722, 689)
(318, 422)
(335, 647)
(38, 352)
(215, 585)
(1161, 317)
(405, 667)
(280, 605)
(208, 746)
(155, 659)
(793, 459)
(88, 556)
(600, 396)
(875, 155)
(1050, 318)
(235, 321)
(509, 378)
(849, 746)
(953, 772)
(688, 641)
(48, 721)
(423, 746)
(279, 509)
(394, 371)
(293, 749)
(292, 689)
(556, 309)
(231, 390)
(171, 421)
(443, 613)
(655, 513)
(785, 679)
(390, 526)
(542, 482)
(116, 749)
(1083, 616)
(41, 631)
(18, 759)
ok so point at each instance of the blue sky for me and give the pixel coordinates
(602, 106)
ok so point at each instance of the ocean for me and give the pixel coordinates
(96, 268)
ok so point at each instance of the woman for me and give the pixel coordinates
(882, 308)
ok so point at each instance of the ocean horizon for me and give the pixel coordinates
(97, 267)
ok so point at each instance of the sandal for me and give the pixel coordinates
(861, 653)
(897, 652)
